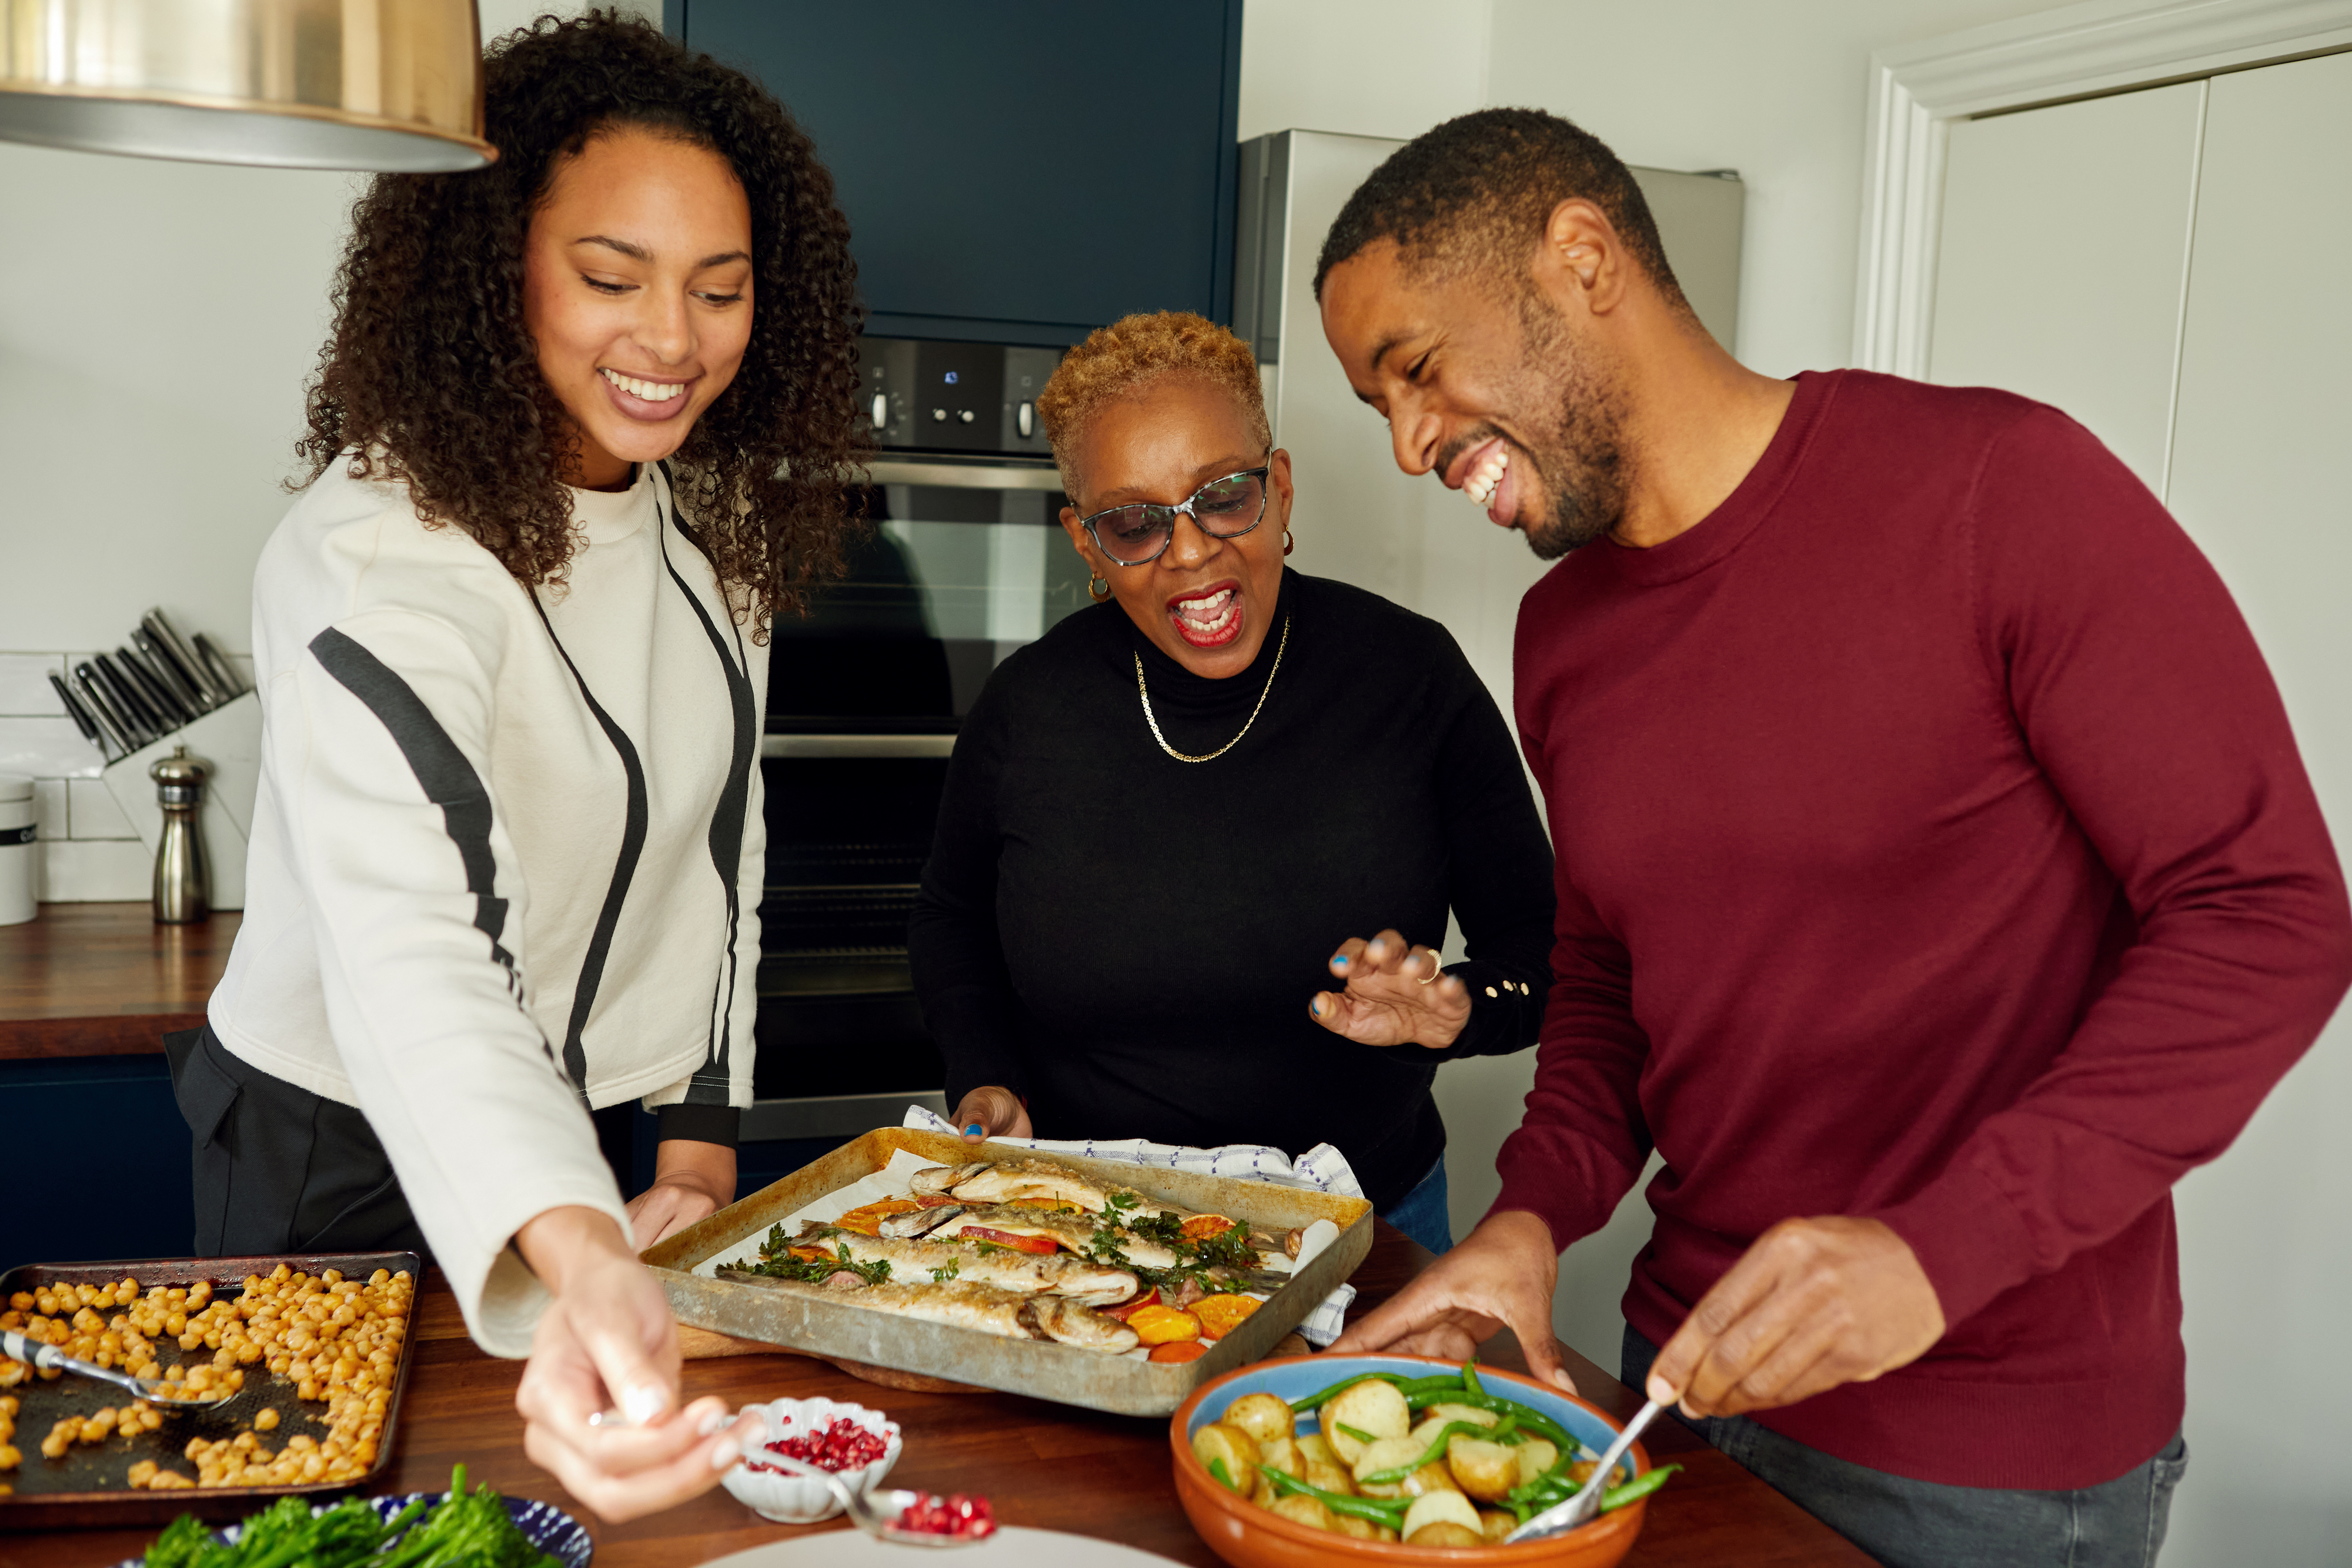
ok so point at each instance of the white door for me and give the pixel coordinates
(2168, 267)
(2262, 470)
(2064, 248)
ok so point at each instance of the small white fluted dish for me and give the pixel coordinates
(802, 1500)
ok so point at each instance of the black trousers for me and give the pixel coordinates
(277, 1168)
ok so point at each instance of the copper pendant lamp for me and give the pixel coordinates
(294, 84)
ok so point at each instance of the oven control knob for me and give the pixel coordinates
(1025, 420)
(881, 410)
(939, 417)
(964, 414)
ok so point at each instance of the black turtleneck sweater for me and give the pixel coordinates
(1128, 942)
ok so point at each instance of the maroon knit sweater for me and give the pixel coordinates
(1932, 847)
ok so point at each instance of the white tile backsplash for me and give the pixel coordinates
(85, 871)
(90, 849)
(94, 814)
(24, 689)
(47, 748)
(49, 797)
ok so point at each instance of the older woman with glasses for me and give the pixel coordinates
(1200, 841)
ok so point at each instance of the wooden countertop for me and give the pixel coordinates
(1048, 1466)
(103, 980)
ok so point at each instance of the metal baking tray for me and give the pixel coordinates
(88, 1487)
(1044, 1371)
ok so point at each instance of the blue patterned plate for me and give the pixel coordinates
(543, 1524)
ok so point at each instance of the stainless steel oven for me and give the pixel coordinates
(966, 563)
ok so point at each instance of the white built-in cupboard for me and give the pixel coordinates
(2172, 266)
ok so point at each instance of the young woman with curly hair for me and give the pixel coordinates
(585, 423)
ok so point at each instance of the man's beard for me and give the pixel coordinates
(1580, 453)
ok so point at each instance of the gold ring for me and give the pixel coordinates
(1433, 970)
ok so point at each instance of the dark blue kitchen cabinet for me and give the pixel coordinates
(1017, 171)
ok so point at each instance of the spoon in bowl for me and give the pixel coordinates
(161, 1395)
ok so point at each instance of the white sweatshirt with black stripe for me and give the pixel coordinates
(506, 857)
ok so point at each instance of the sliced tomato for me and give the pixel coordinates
(1040, 1245)
(1180, 1350)
(1148, 1298)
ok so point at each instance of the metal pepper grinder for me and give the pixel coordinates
(184, 882)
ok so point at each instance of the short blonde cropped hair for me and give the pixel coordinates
(1119, 360)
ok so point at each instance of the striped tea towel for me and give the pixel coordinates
(1322, 1167)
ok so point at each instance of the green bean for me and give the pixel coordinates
(1639, 1486)
(1356, 1432)
(1300, 1407)
(1534, 1420)
(1437, 1447)
(1374, 1510)
(1470, 1377)
(1225, 1476)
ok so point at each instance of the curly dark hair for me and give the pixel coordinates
(431, 378)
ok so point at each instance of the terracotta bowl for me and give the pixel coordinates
(1248, 1537)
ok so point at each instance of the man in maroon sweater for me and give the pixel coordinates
(1938, 881)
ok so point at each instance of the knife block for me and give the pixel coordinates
(229, 740)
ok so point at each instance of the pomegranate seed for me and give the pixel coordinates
(841, 1446)
(955, 1514)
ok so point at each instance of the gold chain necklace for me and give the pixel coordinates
(1145, 693)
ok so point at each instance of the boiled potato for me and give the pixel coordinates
(1328, 1478)
(1495, 1523)
(1484, 1470)
(1375, 1409)
(1536, 1456)
(1431, 1477)
(1236, 1448)
(1262, 1415)
(1432, 1508)
(1360, 1529)
(1282, 1454)
(1461, 1413)
(1306, 1510)
(1313, 1447)
(1444, 1532)
(1388, 1454)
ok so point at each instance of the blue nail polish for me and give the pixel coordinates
(1339, 960)
(975, 1127)
(1315, 1008)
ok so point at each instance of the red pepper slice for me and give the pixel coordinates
(1037, 1244)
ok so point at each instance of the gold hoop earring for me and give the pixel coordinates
(1288, 544)
(1102, 597)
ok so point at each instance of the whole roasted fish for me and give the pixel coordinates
(968, 1305)
(1073, 1323)
(1002, 1181)
(960, 1304)
(1080, 1233)
(1025, 1273)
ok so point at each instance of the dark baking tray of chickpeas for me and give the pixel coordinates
(91, 1484)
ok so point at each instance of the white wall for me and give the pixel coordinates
(1368, 67)
(1777, 91)
(157, 320)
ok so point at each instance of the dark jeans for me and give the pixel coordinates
(277, 1168)
(1919, 1524)
(1421, 1213)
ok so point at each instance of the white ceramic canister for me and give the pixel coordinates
(16, 850)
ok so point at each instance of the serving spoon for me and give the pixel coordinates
(154, 1390)
(1586, 1503)
(873, 1512)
